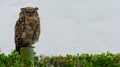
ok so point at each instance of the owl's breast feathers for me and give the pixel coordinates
(29, 30)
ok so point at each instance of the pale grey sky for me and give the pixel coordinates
(68, 26)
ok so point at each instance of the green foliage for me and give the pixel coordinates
(14, 60)
(79, 60)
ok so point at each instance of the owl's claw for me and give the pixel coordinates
(32, 46)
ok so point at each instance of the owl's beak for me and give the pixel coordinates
(30, 14)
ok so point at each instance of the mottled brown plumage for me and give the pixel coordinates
(27, 28)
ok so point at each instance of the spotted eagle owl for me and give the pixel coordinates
(27, 28)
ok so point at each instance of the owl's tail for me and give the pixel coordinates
(19, 44)
(18, 49)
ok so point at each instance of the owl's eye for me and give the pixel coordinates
(32, 12)
(27, 12)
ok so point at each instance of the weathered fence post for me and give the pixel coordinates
(28, 52)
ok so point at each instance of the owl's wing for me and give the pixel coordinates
(18, 29)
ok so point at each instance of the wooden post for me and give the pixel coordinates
(27, 52)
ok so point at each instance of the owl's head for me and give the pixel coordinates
(29, 11)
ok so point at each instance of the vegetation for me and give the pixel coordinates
(79, 60)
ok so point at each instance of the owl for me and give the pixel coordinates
(27, 28)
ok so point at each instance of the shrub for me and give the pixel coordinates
(79, 60)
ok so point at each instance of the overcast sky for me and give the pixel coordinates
(67, 26)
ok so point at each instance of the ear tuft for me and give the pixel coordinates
(36, 8)
(22, 9)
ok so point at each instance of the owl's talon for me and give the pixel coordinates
(32, 46)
